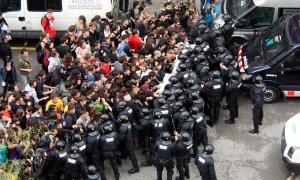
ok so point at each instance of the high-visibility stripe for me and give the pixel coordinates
(240, 60)
(20, 48)
(291, 93)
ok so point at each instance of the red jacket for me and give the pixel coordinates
(106, 68)
(134, 42)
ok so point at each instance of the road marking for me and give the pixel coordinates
(20, 48)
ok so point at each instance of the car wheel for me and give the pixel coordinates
(272, 94)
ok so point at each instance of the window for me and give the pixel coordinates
(10, 5)
(260, 17)
(238, 7)
(292, 62)
(44, 5)
(287, 11)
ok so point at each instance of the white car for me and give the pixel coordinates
(290, 144)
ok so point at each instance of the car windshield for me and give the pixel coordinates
(274, 40)
(238, 7)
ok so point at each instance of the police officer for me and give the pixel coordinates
(56, 160)
(174, 83)
(146, 132)
(226, 66)
(182, 72)
(187, 123)
(178, 108)
(91, 173)
(81, 144)
(232, 94)
(159, 124)
(169, 97)
(214, 91)
(164, 149)
(197, 100)
(180, 96)
(92, 143)
(182, 148)
(74, 165)
(108, 145)
(126, 142)
(200, 132)
(164, 108)
(205, 163)
(228, 28)
(257, 98)
(105, 120)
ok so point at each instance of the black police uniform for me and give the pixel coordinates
(214, 90)
(178, 108)
(205, 165)
(74, 166)
(200, 132)
(147, 138)
(164, 158)
(81, 144)
(257, 98)
(159, 126)
(126, 143)
(232, 94)
(56, 160)
(108, 145)
(182, 153)
(92, 151)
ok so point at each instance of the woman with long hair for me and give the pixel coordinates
(8, 76)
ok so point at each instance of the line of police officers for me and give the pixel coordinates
(175, 127)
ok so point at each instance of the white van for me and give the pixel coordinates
(256, 15)
(24, 16)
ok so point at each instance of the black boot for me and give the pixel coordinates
(253, 131)
(187, 175)
(210, 123)
(135, 168)
(148, 162)
(225, 107)
(229, 121)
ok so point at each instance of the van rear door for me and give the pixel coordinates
(290, 75)
(13, 12)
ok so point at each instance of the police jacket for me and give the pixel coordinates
(74, 165)
(181, 150)
(164, 151)
(205, 165)
(125, 134)
(146, 128)
(56, 160)
(214, 89)
(232, 88)
(165, 111)
(101, 125)
(257, 94)
(188, 126)
(160, 126)
(92, 143)
(108, 145)
(199, 126)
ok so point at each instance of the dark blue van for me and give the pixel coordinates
(275, 54)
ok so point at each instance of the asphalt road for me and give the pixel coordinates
(238, 155)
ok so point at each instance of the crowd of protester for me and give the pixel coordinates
(171, 68)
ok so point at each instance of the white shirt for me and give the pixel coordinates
(32, 93)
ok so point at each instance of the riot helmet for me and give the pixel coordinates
(209, 149)
(91, 129)
(165, 138)
(186, 138)
(121, 106)
(123, 118)
(92, 173)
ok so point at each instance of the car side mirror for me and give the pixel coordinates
(281, 69)
(242, 23)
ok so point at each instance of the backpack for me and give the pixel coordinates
(47, 24)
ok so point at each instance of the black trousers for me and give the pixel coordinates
(183, 167)
(125, 9)
(233, 106)
(114, 165)
(199, 139)
(168, 164)
(214, 110)
(258, 115)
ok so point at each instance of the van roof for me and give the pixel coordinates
(278, 3)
